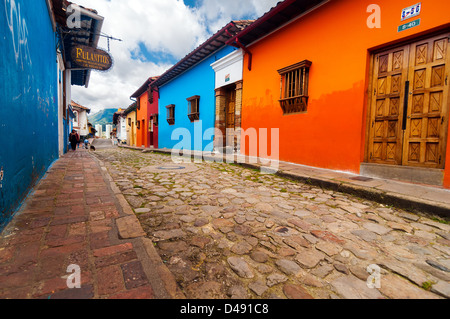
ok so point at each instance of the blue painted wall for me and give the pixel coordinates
(199, 80)
(28, 100)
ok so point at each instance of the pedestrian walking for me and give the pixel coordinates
(78, 139)
(73, 140)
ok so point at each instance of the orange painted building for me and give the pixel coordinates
(146, 115)
(141, 121)
(353, 87)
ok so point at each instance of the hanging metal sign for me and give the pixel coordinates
(90, 58)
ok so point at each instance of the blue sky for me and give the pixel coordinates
(191, 3)
(145, 54)
(156, 34)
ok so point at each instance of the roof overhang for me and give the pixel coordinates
(130, 109)
(279, 16)
(144, 88)
(49, 4)
(80, 108)
(213, 44)
(88, 34)
(117, 116)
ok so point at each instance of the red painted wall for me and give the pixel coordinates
(143, 135)
(153, 109)
(337, 40)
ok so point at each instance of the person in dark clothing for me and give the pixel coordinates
(78, 140)
(73, 140)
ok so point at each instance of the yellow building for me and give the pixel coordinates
(130, 113)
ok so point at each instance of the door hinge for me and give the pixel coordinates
(371, 155)
(440, 159)
(442, 120)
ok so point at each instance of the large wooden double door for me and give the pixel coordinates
(230, 116)
(410, 104)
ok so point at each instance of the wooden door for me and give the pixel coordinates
(389, 77)
(230, 116)
(133, 142)
(150, 128)
(427, 114)
(143, 134)
(410, 106)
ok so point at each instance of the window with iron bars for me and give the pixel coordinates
(171, 114)
(154, 117)
(194, 108)
(294, 87)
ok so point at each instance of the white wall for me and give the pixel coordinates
(83, 122)
(99, 130)
(229, 69)
(76, 118)
(122, 129)
(108, 131)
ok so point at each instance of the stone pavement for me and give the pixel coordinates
(225, 231)
(140, 226)
(74, 217)
(412, 196)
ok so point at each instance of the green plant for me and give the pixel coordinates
(442, 221)
(427, 285)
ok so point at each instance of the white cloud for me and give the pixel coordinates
(166, 27)
(219, 12)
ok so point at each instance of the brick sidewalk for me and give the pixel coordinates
(74, 217)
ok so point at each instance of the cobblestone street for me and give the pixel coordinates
(225, 231)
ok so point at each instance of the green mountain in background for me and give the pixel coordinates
(104, 117)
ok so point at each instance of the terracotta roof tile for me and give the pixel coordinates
(74, 104)
(284, 12)
(211, 45)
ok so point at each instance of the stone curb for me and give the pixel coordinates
(130, 228)
(413, 204)
(160, 270)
